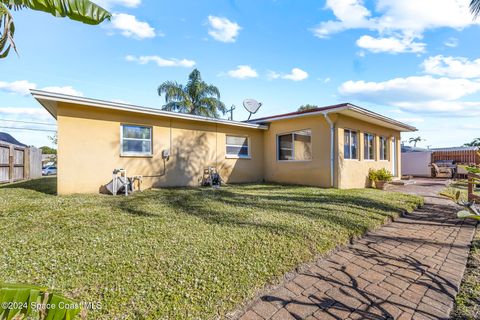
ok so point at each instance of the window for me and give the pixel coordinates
(237, 147)
(350, 144)
(136, 140)
(295, 146)
(383, 148)
(369, 143)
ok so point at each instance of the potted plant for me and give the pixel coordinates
(380, 177)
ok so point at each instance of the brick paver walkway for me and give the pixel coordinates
(408, 269)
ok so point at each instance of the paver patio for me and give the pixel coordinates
(408, 269)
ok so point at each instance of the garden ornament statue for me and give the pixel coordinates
(471, 210)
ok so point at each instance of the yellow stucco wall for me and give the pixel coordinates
(89, 150)
(353, 173)
(315, 172)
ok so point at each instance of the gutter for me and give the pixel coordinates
(57, 97)
(332, 147)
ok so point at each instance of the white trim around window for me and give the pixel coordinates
(141, 140)
(352, 136)
(291, 148)
(237, 145)
(383, 148)
(369, 146)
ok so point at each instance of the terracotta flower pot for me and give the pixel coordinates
(379, 184)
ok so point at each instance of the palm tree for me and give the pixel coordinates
(80, 10)
(197, 97)
(475, 7)
(415, 141)
(474, 143)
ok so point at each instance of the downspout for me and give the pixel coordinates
(332, 148)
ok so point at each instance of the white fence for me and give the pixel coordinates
(417, 164)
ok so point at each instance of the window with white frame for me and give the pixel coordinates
(383, 148)
(295, 146)
(350, 144)
(369, 146)
(237, 147)
(136, 140)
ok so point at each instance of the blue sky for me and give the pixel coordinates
(413, 61)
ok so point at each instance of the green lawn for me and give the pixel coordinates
(177, 253)
(467, 302)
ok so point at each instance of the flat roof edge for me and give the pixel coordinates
(40, 95)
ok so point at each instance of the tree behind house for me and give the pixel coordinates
(48, 150)
(415, 141)
(475, 7)
(475, 143)
(196, 97)
(307, 107)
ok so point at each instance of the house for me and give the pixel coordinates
(334, 146)
(7, 138)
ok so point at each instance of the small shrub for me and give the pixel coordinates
(380, 175)
(384, 175)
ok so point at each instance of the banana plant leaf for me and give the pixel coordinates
(68, 312)
(467, 214)
(80, 10)
(17, 301)
(8, 32)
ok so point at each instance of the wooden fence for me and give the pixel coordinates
(459, 156)
(19, 163)
(473, 180)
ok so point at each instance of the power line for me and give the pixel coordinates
(32, 122)
(31, 129)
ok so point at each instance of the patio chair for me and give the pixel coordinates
(442, 172)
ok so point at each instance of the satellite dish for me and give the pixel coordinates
(252, 106)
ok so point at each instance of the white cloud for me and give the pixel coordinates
(107, 4)
(273, 75)
(296, 74)
(390, 44)
(350, 14)
(453, 109)
(419, 94)
(21, 87)
(419, 88)
(222, 29)
(243, 72)
(129, 26)
(36, 114)
(161, 62)
(64, 90)
(400, 19)
(456, 67)
(26, 114)
(411, 120)
(451, 42)
(469, 126)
